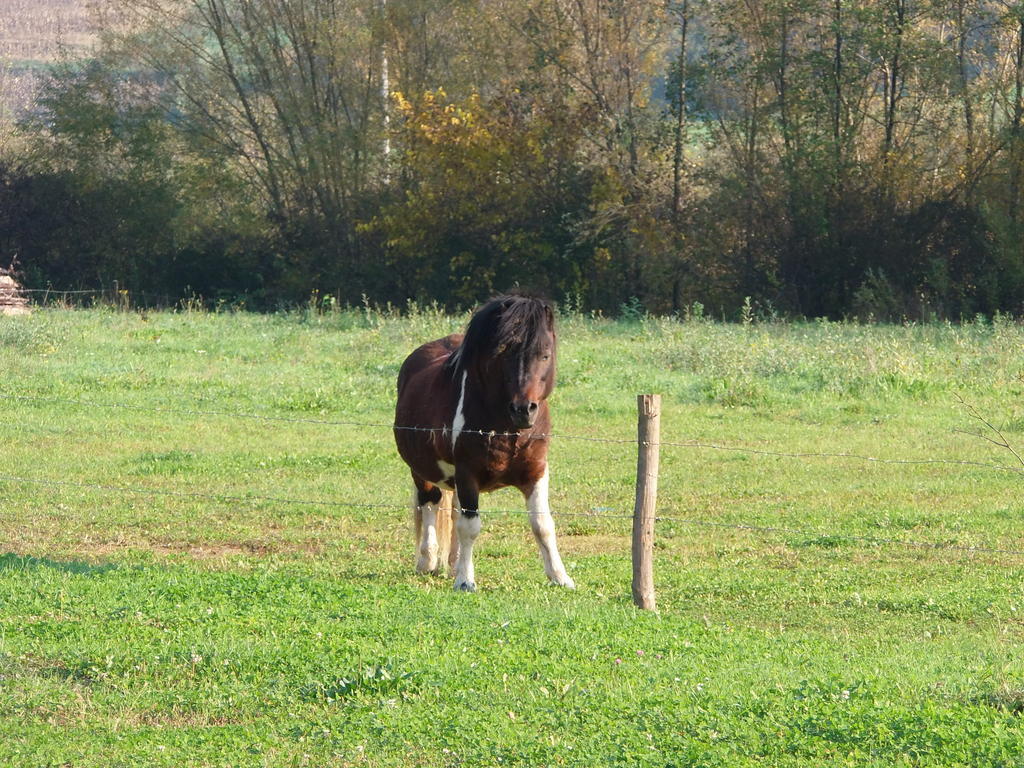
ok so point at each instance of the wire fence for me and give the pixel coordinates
(113, 296)
(598, 513)
(697, 444)
(691, 522)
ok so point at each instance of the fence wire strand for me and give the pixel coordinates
(692, 522)
(592, 514)
(853, 456)
(113, 295)
(257, 499)
(247, 499)
(692, 444)
(873, 540)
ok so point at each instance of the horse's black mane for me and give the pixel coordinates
(505, 322)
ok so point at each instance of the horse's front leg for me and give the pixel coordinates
(544, 531)
(467, 528)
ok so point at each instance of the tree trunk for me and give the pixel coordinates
(678, 158)
(965, 95)
(893, 80)
(1015, 129)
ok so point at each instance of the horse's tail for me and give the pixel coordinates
(447, 542)
(417, 518)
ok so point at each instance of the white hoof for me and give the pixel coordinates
(427, 563)
(465, 586)
(565, 581)
(426, 566)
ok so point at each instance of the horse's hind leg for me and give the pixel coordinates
(426, 499)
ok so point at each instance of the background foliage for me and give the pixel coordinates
(823, 157)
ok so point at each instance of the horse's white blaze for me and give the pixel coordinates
(544, 531)
(460, 418)
(427, 560)
(467, 528)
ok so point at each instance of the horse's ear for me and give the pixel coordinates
(549, 314)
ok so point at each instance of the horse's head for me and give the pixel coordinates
(509, 352)
(525, 357)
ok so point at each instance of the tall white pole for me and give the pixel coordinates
(385, 91)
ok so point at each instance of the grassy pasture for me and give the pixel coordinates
(160, 630)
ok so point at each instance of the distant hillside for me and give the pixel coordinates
(32, 34)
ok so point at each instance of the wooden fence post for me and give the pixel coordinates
(649, 439)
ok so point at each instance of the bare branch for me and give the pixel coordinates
(1000, 439)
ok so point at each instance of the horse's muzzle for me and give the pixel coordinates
(523, 414)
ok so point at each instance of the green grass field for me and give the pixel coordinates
(139, 629)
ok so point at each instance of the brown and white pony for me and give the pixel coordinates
(472, 416)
